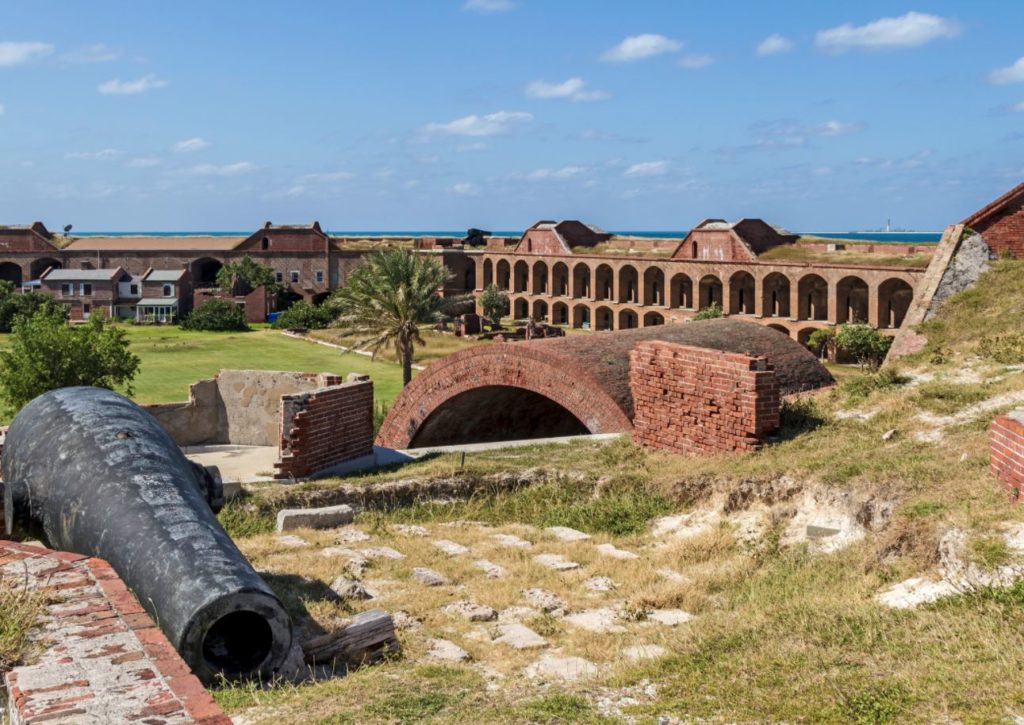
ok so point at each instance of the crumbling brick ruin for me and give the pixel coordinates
(573, 385)
(697, 401)
(1007, 452)
(314, 419)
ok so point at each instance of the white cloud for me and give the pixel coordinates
(191, 145)
(836, 128)
(16, 53)
(475, 146)
(144, 162)
(493, 124)
(325, 177)
(573, 89)
(647, 168)
(488, 6)
(95, 53)
(566, 172)
(906, 31)
(774, 44)
(464, 188)
(103, 155)
(638, 47)
(1010, 74)
(117, 87)
(696, 61)
(236, 169)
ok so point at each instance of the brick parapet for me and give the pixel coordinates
(698, 401)
(1006, 450)
(325, 427)
(102, 658)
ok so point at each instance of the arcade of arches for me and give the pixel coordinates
(602, 294)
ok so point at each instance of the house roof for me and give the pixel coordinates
(164, 275)
(994, 207)
(81, 275)
(141, 244)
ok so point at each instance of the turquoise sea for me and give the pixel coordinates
(895, 237)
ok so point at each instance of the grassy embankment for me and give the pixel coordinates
(780, 633)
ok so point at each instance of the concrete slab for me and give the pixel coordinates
(236, 463)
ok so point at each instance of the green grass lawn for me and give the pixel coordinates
(173, 358)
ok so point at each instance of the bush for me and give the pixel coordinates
(13, 304)
(1005, 349)
(45, 353)
(864, 343)
(864, 384)
(494, 303)
(822, 342)
(216, 316)
(304, 316)
(712, 311)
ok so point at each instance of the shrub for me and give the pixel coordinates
(864, 384)
(710, 312)
(245, 275)
(494, 303)
(305, 316)
(13, 304)
(1005, 349)
(822, 343)
(217, 316)
(866, 344)
(45, 353)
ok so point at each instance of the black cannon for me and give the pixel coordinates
(100, 477)
(475, 238)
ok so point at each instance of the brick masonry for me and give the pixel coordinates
(1006, 448)
(325, 427)
(102, 658)
(698, 401)
(1001, 223)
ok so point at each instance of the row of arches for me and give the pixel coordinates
(582, 316)
(15, 273)
(777, 295)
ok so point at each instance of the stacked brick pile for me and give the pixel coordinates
(1006, 441)
(698, 401)
(326, 427)
(102, 660)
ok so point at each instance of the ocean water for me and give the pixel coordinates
(882, 237)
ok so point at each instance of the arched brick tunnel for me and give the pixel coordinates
(564, 386)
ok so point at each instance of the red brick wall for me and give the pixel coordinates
(325, 427)
(95, 624)
(1004, 232)
(1006, 448)
(698, 401)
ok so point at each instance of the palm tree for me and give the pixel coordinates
(387, 298)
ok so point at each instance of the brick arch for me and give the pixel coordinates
(586, 377)
(503, 365)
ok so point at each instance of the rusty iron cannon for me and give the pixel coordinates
(99, 476)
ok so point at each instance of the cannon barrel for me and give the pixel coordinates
(101, 477)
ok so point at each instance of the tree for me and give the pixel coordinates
(216, 315)
(303, 315)
(45, 353)
(711, 312)
(494, 303)
(822, 342)
(248, 275)
(388, 298)
(14, 304)
(866, 344)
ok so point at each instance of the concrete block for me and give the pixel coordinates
(328, 517)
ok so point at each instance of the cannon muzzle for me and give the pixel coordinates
(100, 477)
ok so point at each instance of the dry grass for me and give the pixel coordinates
(800, 253)
(20, 610)
(438, 345)
(780, 633)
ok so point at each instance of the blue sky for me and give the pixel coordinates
(446, 114)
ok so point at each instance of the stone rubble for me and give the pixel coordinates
(511, 540)
(381, 552)
(556, 562)
(471, 611)
(615, 553)
(519, 636)
(442, 649)
(601, 621)
(545, 601)
(556, 667)
(428, 577)
(492, 570)
(600, 584)
(450, 548)
(564, 533)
